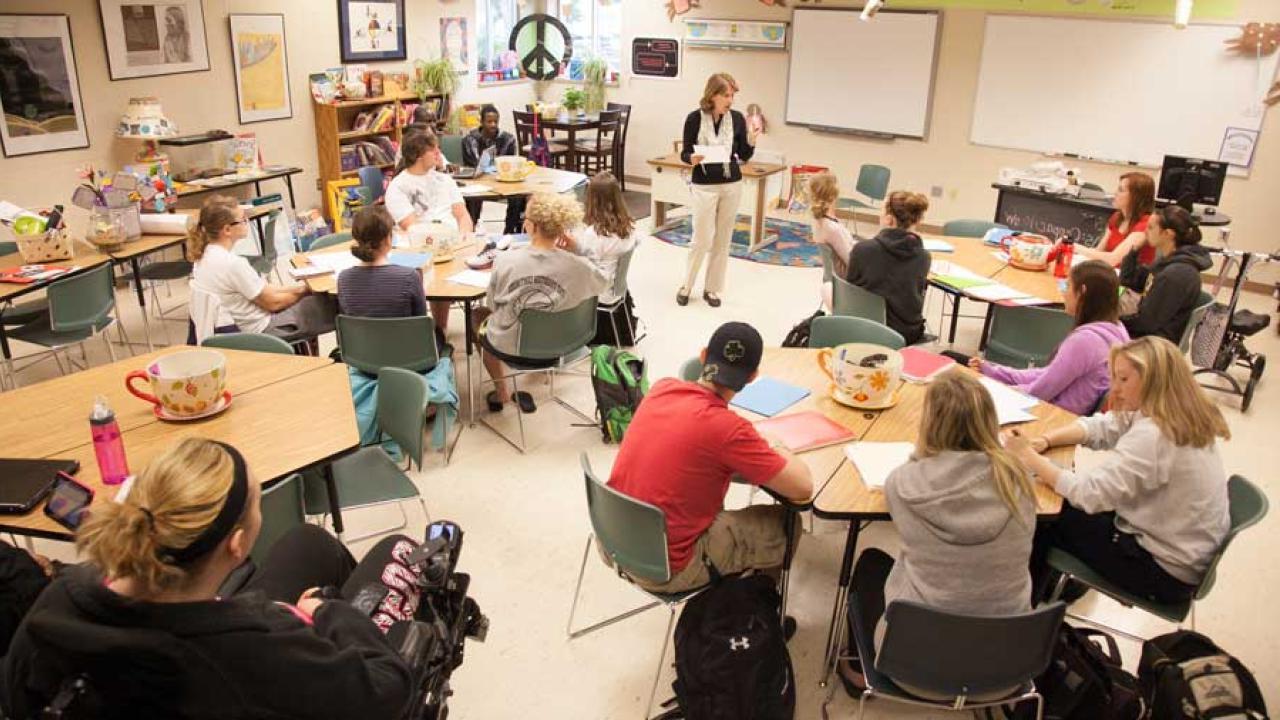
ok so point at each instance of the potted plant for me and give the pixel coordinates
(434, 76)
(574, 101)
(595, 73)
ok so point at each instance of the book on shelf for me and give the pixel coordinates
(406, 113)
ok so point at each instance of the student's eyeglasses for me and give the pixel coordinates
(241, 221)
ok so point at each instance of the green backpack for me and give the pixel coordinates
(617, 376)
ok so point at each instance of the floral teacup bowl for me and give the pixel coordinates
(185, 384)
(864, 376)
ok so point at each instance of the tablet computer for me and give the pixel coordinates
(24, 483)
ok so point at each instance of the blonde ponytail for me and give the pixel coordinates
(217, 212)
(823, 190)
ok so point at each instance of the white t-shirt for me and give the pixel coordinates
(236, 283)
(432, 196)
(606, 251)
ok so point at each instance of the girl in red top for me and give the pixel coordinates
(1127, 229)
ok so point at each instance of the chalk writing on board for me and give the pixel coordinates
(1091, 227)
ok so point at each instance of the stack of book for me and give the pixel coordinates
(377, 120)
(376, 151)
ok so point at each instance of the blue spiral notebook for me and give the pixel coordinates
(768, 397)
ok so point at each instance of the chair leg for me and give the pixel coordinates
(515, 393)
(111, 350)
(662, 656)
(425, 513)
(577, 588)
(58, 360)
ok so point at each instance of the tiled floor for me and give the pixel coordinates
(525, 522)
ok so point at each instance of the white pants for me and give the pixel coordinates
(715, 208)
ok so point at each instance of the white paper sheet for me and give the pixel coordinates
(337, 261)
(474, 278)
(1011, 405)
(994, 292)
(941, 246)
(712, 153)
(475, 189)
(875, 460)
(946, 267)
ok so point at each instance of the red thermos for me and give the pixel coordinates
(1062, 263)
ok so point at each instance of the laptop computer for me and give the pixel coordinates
(24, 482)
(464, 173)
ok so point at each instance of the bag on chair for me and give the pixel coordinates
(798, 337)
(1184, 675)
(1085, 679)
(619, 382)
(539, 148)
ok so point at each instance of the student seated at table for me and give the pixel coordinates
(23, 576)
(966, 511)
(824, 191)
(490, 140)
(683, 448)
(1077, 376)
(895, 265)
(253, 304)
(1171, 286)
(444, 163)
(145, 620)
(1152, 514)
(423, 194)
(1134, 202)
(538, 276)
(606, 234)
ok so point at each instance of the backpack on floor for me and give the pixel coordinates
(731, 657)
(799, 335)
(619, 382)
(1184, 675)
(1085, 679)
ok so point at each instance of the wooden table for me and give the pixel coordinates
(541, 180)
(287, 414)
(82, 259)
(667, 187)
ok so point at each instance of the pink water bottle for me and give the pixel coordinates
(108, 445)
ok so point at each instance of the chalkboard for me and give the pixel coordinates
(1051, 216)
(655, 57)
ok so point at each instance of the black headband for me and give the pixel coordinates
(227, 517)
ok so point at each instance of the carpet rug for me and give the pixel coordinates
(793, 248)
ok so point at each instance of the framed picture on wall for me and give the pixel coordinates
(147, 37)
(261, 62)
(371, 30)
(39, 87)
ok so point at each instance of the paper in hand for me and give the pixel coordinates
(712, 154)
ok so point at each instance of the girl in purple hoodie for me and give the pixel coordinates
(1076, 377)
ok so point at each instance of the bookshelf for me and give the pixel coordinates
(334, 131)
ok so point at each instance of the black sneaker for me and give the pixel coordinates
(788, 628)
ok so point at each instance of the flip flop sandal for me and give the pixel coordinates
(525, 401)
(495, 405)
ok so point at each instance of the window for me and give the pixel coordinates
(494, 22)
(596, 27)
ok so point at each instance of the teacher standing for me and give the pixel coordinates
(717, 187)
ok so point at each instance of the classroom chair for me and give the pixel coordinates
(451, 146)
(1247, 506)
(634, 536)
(549, 342)
(80, 308)
(620, 159)
(13, 315)
(369, 477)
(873, 183)
(8, 248)
(832, 330)
(952, 655)
(600, 153)
(1025, 336)
(282, 510)
(329, 240)
(828, 262)
(155, 273)
(529, 125)
(1203, 302)
(968, 228)
(253, 342)
(851, 300)
(372, 184)
(612, 310)
(691, 370)
(265, 264)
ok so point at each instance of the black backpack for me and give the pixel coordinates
(798, 337)
(1085, 680)
(1184, 675)
(731, 657)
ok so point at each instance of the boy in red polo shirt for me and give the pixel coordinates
(680, 452)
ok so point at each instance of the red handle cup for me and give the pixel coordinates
(139, 375)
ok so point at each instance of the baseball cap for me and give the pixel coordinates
(733, 354)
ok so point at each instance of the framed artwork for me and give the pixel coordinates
(453, 42)
(39, 87)
(261, 62)
(371, 30)
(154, 37)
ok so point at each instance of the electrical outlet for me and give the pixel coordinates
(319, 186)
(935, 191)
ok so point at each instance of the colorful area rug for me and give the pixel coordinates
(793, 247)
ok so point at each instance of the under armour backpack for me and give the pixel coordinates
(731, 656)
(1185, 676)
(618, 379)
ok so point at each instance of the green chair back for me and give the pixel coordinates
(269, 251)
(1203, 303)
(619, 288)
(968, 228)
(828, 262)
(1024, 337)
(82, 301)
(253, 342)
(632, 533)
(402, 409)
(691, 370)
(331, 239)
(852, 301)
(451, 146)
(831, 330)
(370, 344)
(552, 335)
(873, 181)
(1248, 505)
(372, 183)
(8, 248)
(282, 511)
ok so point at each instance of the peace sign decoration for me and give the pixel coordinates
(543, 45)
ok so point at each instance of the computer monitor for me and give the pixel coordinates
(1188, 181)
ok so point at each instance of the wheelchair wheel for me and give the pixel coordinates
(1259, 365)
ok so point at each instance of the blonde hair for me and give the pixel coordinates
(906, 207)
(553, 216)
(172, 501)
(960, 415)
(1169, 394)
(217, 212)
(824, 190)
(606, 210)
(717, 84)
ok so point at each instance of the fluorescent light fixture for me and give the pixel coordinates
(1182, 13)
(873, 6)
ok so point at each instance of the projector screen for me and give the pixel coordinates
(849, 75)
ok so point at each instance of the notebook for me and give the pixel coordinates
(938, 246)
(410, 260)
(768, 397)
(804, 430)
(25, 482)
(876, 460)
(921, 365)
(1011, 405)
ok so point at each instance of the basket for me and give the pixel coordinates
(45, 247)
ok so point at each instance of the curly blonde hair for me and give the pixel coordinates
(824, 190)
(553, 216)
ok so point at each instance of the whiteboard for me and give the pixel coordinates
(1118, 91)
(875, 76)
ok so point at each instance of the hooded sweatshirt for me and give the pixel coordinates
(243, 657)
(1077, 375)
(895, 266)
(1172, 287)
(962, 550)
